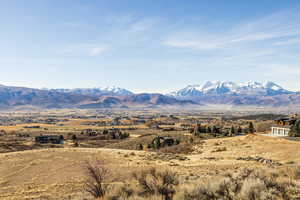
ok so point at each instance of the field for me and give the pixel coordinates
(57, 171)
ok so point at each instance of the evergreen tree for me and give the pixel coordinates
(208, 130)
(239, 131)
(232, 130)
(74, 138)
(156, 143)
(140, 147)
(192, 130)
(251, 128)
(295, 129)
(199, 127)
(215, 131)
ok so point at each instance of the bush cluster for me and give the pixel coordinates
(249, 184)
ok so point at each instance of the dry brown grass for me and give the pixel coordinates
(182, 148)
(245, 185)
(57, 173)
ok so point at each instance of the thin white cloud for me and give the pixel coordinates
(196, 44)
(143, 25)
(115, 31)
(98, 50)
(132, 23)
(274, 27)
(238, 48)
(85, 49)
(287, 42)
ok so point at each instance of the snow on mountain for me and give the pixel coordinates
(115, 90)
(218, 88)
(273, 86)
(97, 91)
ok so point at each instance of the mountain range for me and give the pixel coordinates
(267, 88)
(100, 91)
(239, 94)
(211, 92)
(110, 97)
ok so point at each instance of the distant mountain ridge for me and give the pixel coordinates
(99, 91)
(267, 88)
(211, 92)
(109, 97)
(242, 94)
(138, 100)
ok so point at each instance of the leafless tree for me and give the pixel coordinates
(96, 176)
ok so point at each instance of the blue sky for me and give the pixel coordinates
(148, 45)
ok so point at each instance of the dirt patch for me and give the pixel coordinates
(165, 157)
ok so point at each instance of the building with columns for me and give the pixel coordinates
(280, 131)
(282, 127)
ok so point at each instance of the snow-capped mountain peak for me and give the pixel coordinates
(272, 85)
(230, 88)
(210, 85)
(113, 90)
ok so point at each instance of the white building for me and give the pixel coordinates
(282, 127)
(280, 131)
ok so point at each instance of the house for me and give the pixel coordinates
(53, 139)
(282, 127)
(159, 141)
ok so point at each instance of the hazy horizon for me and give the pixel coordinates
(144, 46)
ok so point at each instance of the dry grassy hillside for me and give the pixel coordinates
(60, 174)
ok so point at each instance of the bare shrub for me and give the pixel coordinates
(152, 182)
(200, 193)
(253, 189)
(123, 192)
(292, 173)
(247, 185)
(126, 191)
(96, 177)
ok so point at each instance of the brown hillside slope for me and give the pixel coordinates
(58, 173)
